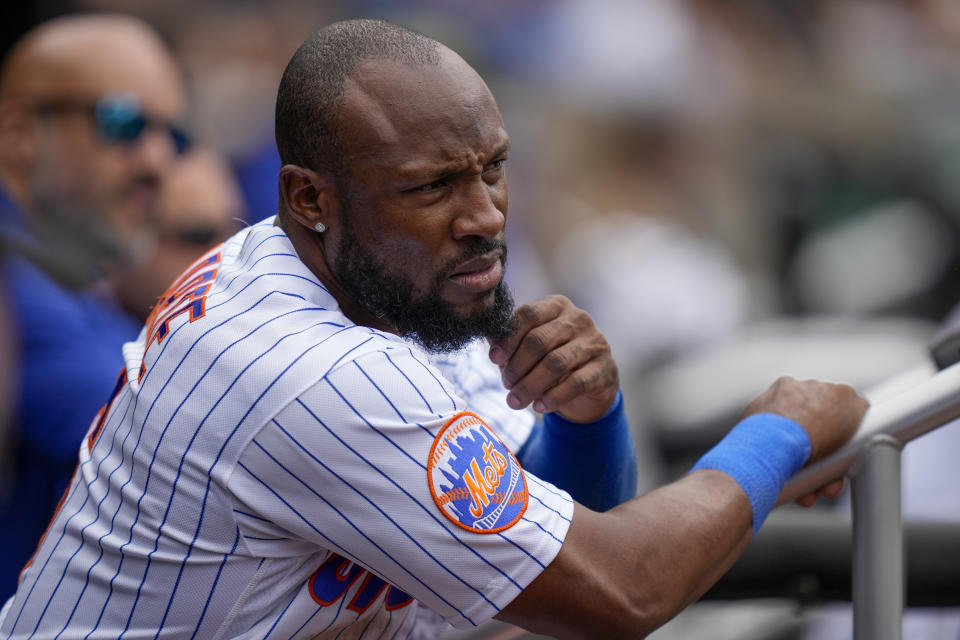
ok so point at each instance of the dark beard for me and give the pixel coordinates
(72, 248)
(428, 320)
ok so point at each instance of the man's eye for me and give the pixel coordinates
(495, 166)
(427, 188)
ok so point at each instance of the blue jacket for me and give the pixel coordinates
(70, 355)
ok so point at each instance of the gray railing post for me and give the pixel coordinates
(878, 550)
(872, 458)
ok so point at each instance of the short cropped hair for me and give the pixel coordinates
(311, 91)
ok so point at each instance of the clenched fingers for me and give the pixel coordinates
(829, 491)
(829, 413)
(557, 359)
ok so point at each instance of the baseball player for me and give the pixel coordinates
(308, 439)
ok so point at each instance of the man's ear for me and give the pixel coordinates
(19, 146)
(310, 196)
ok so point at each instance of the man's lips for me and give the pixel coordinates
(143, 194)
(479, 274)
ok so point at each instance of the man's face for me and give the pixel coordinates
(198, 208)
(428, 317)
(421, 240)
(82, 175)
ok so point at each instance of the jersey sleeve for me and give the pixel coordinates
(381, 463)
(478, 381)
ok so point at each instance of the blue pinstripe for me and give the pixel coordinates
(539, 526)
(222, 448)
(397, 630)
(334, 619)
(387, 626)
(113, 521)
(253, 281)
(392, 481)
(443, 387)
(415, 387)
(392, 406)
(347, 626)
(245, 268)
(373, 428)
(153, 459)
(264, 539)
(547, 488)
(213, 588)
(382, 393)
(517, 545)
(358, 530)
(305, 622)
(250, 515)
(219, 574)
(253, 250)
(293, 598)
(143, 423)
(96, 519)
(42, 613)
(330, 541)
(76, 482)
(190, 349)
(212, 307)
(546, 506)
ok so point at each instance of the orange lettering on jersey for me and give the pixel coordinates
(56, 512)
(101, 417)
(482, 485)
(187, 295)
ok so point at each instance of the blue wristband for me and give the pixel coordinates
(760, 453)
(594, 462)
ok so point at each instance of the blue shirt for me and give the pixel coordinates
(69, 358)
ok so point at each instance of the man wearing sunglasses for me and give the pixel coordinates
(200, 206)
(89, 106)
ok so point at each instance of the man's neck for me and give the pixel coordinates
(14, 188)
(311, 253)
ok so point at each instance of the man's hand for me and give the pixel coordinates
(557, 359)
(829, 413)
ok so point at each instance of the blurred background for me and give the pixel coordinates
(734, 190)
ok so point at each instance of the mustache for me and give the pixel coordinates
(150, 180)
(476, 247)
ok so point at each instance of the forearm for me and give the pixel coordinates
(681, 539)
(623, 573)
(640, 563)
(594, 462)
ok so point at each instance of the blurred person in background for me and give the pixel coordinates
(200, 205)
(7, 382)
(87, 111)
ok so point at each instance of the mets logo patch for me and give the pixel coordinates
(474, 478)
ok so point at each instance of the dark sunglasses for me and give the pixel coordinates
(118, 118)
(199, 234)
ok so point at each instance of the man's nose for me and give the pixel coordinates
(154, 151)
(482, 209)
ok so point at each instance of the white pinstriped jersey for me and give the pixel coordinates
(262, 472)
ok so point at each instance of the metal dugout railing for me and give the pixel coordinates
(872, 461)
